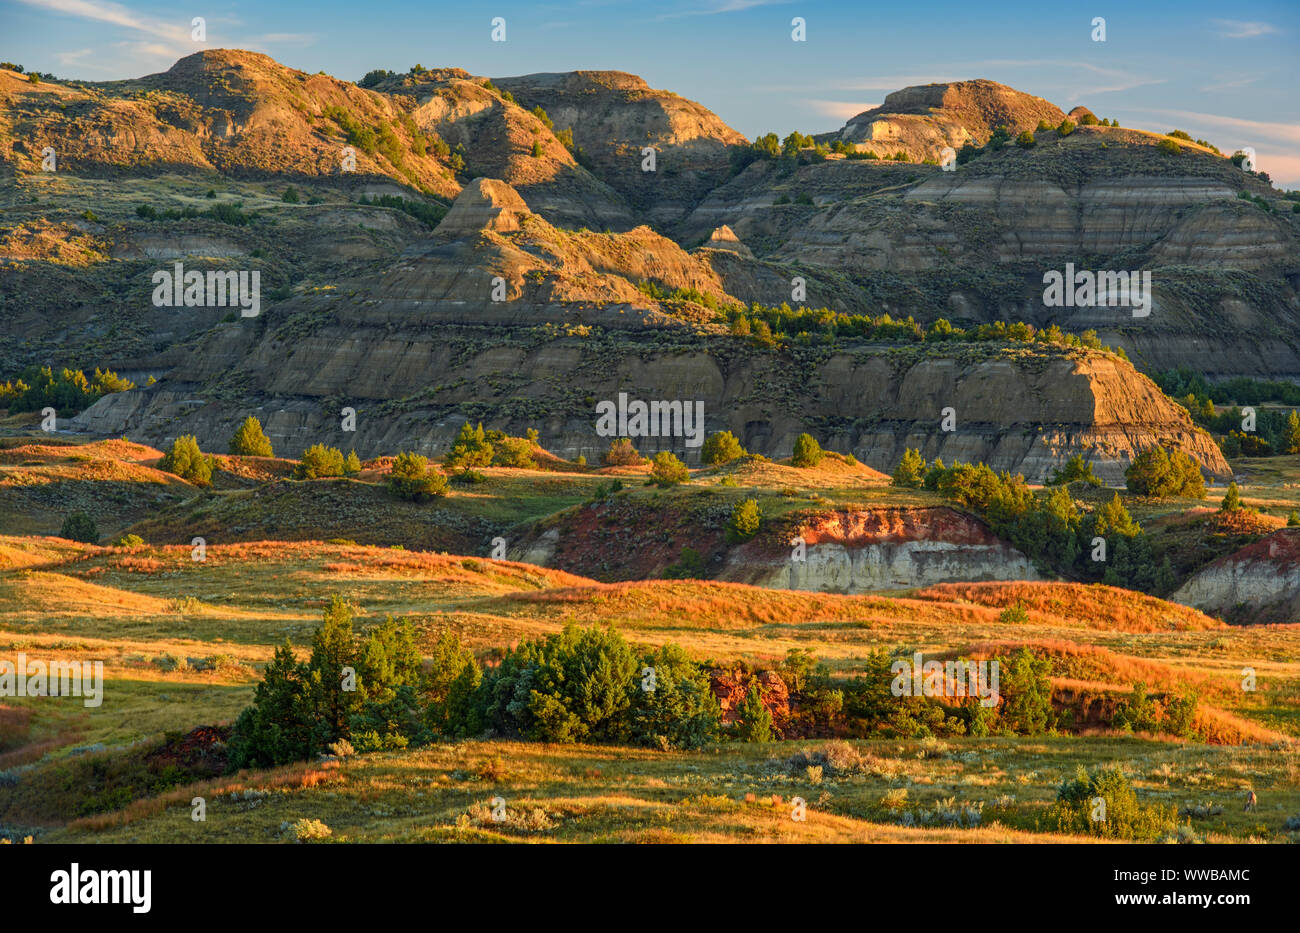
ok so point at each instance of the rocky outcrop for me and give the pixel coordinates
(921, 121)
(880, 549)
(223, 110)
(975, 244)
(1259, 583)
(483, 204)
(725, 238)
(614, 116)
(428, 344)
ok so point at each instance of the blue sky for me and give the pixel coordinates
(1224, 72)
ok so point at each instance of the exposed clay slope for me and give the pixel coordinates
(424, 346)
(974, 244)
(1259, 583)
(862, 551)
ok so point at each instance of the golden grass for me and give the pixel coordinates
(1090, 605)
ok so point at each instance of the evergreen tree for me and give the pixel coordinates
(276, 728)
(250, 440)
(1291, 434)
(720, 447)
(807, 452)
(746, 517)
(910, 472)
(1113, 518)
(753, 720)
(333, 648)
(668, 470)
(80, 527)
(471, 449)
(188, 462)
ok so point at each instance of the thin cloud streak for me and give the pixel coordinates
(1239, 29)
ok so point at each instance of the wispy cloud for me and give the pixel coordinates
(1247, 130)
(722, 6)
(1240, 29)
(69, 59)
(1231, 83)
(839, 109)
(150, 42)
(117, 15)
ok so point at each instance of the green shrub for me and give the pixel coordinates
(352, 465)
(910, 472)
(1162, 474)
(1140, 713)
(1077, 803)
(668, 470)
(541, 114)
(622, 453)
(471, 449)
(1066, 127)
(1026, 691)
(80, 527)
(1076, 470)
(130, 541)
(514, 452)
(451, 685)
(1232, 500)
(413, 480)
(753, 719)
(807, 452)
(319, 460)
(574, 686)
(746, 517)
(1113, 518)
(681, 710)
(301, 709)
(290, 195)
(250, 440)
(1026, 140)
(228, 213)
(688, 566)
(276, 728)
(1169, 147)
(188, 462)
(720, 447)
(1013, 615)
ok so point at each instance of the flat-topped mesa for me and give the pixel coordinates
(579, 80)
(483, 204)
(921, 120)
